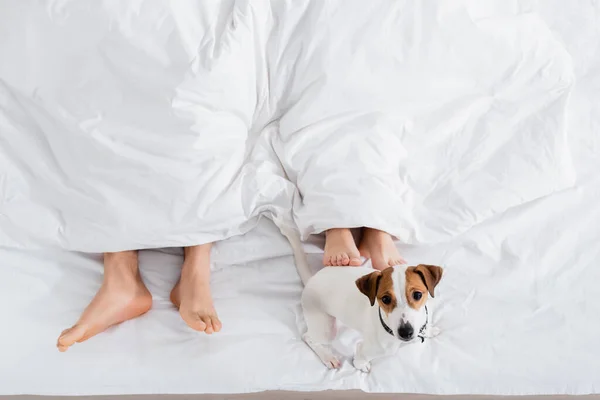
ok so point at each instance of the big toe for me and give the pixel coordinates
(355, 262)
(70, 336)
(354, 258)
(193, 320)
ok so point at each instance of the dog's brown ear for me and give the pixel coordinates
(368, 285)
(431, 275)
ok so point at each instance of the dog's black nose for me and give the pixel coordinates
(405, 331)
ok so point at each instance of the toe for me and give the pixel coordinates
(398, 261)
(340, 259)
(200, 325)
(70, 336)
(60, 343)
(345, 260)
(326, 260)
(355, 262)
(194, 321)
(216, 323)
(209, 327)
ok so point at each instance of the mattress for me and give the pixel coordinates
(468, 130)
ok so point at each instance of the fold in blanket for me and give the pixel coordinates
(136, 125)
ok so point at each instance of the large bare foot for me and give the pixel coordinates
(379, 247)
(340, 248)
(191, 295)
(121, 297)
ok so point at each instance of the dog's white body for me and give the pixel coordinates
(332, 294)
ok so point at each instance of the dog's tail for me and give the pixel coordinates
(293, 236)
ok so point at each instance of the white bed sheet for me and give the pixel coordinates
(518, 314)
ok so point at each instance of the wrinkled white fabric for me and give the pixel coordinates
(517, 309)
(134, 125)
(469, 129)
(423, 123)
(128, 125)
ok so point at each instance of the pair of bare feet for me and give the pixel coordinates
(123, 296)
(341, 249)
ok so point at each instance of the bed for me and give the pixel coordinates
(547, 345)
(510, 209)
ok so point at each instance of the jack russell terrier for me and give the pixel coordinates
(388, 307)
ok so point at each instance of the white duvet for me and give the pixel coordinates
(468, 129)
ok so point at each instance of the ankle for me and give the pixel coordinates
(198, 273)
(127, 256)
(202, 250)
(196, 265)
(124, 263)
(376, 233)
(338, 232)
(122, 281)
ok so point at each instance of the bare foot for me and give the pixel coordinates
(191, 295)
(340, 248)
(121, 297)
(380, 248)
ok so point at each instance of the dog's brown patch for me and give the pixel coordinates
(422, 278)
(414, 283)
(379, 285)
(386, 288)
(368, 285)
(431, 276)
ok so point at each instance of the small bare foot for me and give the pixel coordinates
(340, 248)
(191, 295)
(380, 248)
(121, 297)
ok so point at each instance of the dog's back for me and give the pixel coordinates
(333, 290)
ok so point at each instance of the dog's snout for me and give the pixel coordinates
(405, 331)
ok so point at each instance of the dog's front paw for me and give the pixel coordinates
(363, 365)
(332, 362)
(323, 352)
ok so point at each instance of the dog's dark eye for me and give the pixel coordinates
(386, 299)
(417, 296)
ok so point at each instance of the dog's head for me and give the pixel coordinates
(401, 293)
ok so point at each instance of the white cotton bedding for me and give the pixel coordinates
(518, 316)
(468, 129)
